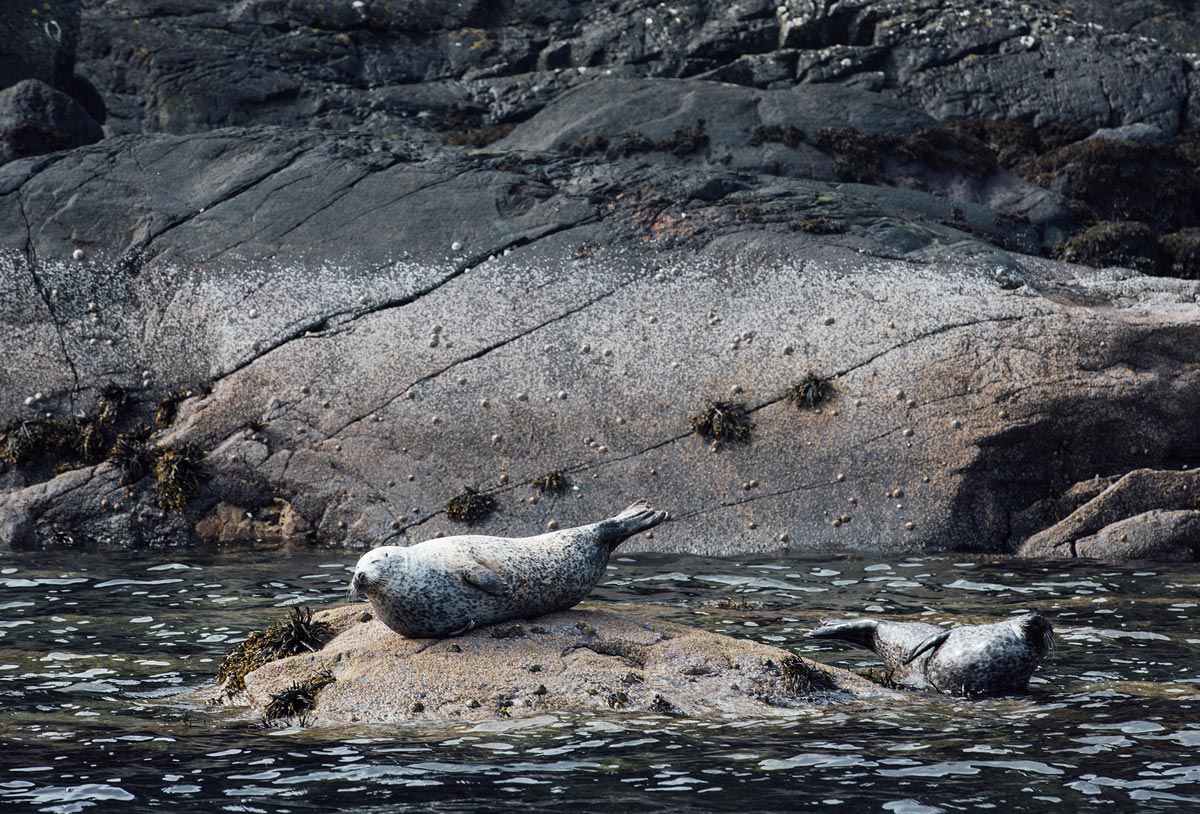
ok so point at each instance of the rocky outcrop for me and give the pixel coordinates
(44, 105)
(467, 247)
(376, 65)
(368, 328)
(1146, 514)
(36, 119)
(583, 660)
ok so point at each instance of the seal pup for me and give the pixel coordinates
(970, 660)
(447, 586)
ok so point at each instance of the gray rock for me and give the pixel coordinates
(380, 329)
(1130, 132)
(40, 39)
(193, 68)
(35, 119)
(591, 660)
(1152, 535)
(1150, 514)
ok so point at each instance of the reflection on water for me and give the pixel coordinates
(92, 648)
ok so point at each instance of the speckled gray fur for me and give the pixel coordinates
(969, 660)
(448, 586)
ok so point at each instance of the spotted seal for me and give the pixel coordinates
(447, 586)
(970, 660)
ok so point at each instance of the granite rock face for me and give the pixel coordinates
(592, 661)
(439, 247)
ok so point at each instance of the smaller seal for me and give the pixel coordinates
(970, 660)
(448, 586)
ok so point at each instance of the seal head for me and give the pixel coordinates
(447, 586)
(969, 660)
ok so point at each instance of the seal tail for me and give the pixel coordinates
(637, 518)
(859, 632)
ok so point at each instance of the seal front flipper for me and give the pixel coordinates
(484, 578)
(932, 643)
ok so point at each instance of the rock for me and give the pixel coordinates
(311, 282)
(35, 119)
(1148, 513)
(590, 660)
(314, 64)
(233, 524)
(1141, 131)
(1152, 535)
(40, 40)
(612, 216)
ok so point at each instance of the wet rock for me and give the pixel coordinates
(588, 660)
(1148, 513)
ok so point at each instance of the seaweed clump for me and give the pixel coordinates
(1149, 181)
(479, 136)
(859, 156)
(801, 678)
(724, 421)
(807, 393)
(683, 141)
(787, 135)
(588, 144)
(631, 143)
(82, 438)
(298, 698)
(1181, 254)
(164, 414)
(178, 473)
(1121, 243)
(298, 633)
(470, 507)
(132, 455)
(554, 482)
(820, 226)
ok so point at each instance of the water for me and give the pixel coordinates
(94, 649)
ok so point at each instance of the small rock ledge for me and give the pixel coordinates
(582, 660)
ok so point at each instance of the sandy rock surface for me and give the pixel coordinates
(584, 660)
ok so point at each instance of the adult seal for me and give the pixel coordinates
(448, 586)
(970, 660)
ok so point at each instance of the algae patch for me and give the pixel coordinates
(297, 699)
(724, 421)
(298, 633)
(470, 507)
(810, 391)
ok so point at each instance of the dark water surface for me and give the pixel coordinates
(93, 647)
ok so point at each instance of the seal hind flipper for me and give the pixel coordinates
(860, 632)
(928, 645)
(638, 517)
(484, 578)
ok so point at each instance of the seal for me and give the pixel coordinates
(970, 660)
(448, 586)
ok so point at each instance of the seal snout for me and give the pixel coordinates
(358, 587)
